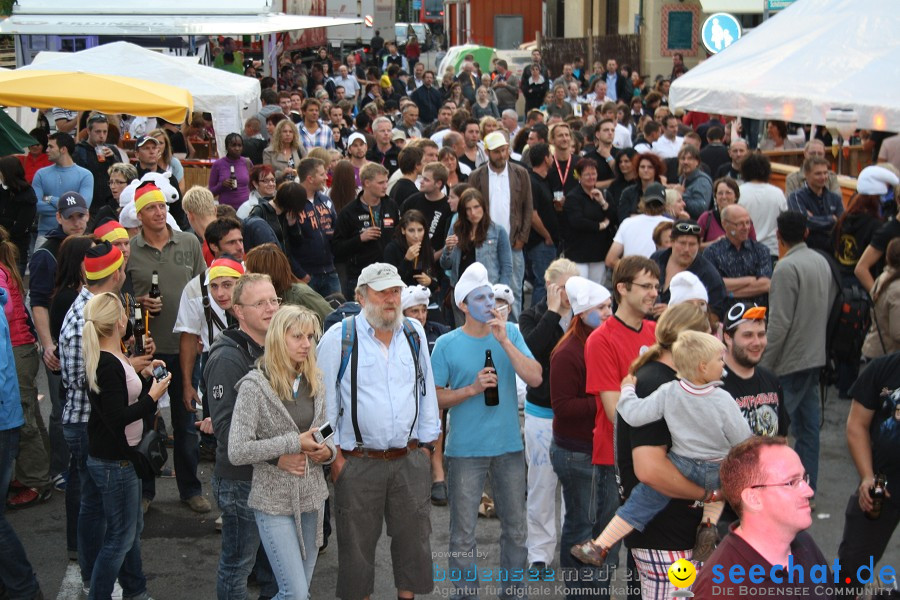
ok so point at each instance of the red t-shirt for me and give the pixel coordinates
(609, 351)
(207, 254)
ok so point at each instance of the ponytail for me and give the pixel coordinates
(101, 314)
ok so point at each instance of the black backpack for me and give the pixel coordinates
(848, 320)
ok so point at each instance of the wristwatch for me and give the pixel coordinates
(429, 447)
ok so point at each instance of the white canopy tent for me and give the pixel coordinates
(230, 98)
(813, 56)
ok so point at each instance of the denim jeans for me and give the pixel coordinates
(83, 501)
(279, 536)
(465, 483)
(120, 555)
(59, 450)
(606, 502)
(540, 258)
(187, 440)
(801, 400)
(644, 502)
(15, 571)
(325, 284)
(240, 539)
(576, 474)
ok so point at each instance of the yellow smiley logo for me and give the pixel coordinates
(682, 573)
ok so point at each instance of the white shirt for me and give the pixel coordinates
(636, 234)
(438, 136)
(498, 197)
(666, 148)
(349, 83)
(191, 318)
(764, 202)
(622, 138)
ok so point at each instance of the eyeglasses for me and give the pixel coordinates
(646, 286)
(690, 228)
(268, 180)
(793, 484)
(117, 182)
(273, 302)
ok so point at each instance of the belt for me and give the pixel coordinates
(389, 454)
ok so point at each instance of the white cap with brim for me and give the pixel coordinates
(585, 294)
(380, 276)
(474, 277)
(356, 136)
(494, 140)
(875, 180)
(415, 295)
(686, 286)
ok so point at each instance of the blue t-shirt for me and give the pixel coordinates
(476, 429)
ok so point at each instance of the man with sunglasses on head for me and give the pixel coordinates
(684, 255)
(764, 481)
(95, 155)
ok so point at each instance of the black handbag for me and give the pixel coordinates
(150, 455)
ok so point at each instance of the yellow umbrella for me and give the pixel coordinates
(92, 91)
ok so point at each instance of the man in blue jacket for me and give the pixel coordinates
(16, 573)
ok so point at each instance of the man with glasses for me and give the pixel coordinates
(95, 155)
(684, 255)
(608, 354)
(176, 257)
(764, 481)
(795, 180)
(744, 264)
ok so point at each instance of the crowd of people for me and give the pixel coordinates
(395, 282)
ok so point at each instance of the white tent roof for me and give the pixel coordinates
(230, 98)
(809, 58)
(161, 17)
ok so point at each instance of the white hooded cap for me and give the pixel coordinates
(504, 292)
(686, 286)
(414, 295)
(875, 180)
(473, 278)
(585, 294)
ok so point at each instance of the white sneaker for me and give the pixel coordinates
(116, 593)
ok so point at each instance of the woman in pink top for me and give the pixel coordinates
(33, 464)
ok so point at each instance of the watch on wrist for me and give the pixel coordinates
(429, 447)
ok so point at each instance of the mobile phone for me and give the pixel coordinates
(160, 372)
(325, 431)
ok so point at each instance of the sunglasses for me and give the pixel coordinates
(689, 228)
(97, 119)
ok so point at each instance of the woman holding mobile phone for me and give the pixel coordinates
(120, 400)
(280, 407)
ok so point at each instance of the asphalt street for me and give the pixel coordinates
(180, 548)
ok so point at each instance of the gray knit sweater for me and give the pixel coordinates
(263, 430)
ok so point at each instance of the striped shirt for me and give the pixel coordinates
(71, 360)
(322, 138)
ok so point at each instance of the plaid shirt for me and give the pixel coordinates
(71, 360)
(322, 138)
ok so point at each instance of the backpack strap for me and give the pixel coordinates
(211, 317)
(350, 356)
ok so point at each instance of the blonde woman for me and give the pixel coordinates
(284, 151)
(120, 400)
(168, 162)
(280, 406)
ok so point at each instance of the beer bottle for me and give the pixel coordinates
(139, 332)
(154, 290)
(877, 493)
(491, 394)
(231, 177)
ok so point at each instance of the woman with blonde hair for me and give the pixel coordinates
(120, 400)
(280, 407)
(284, 151)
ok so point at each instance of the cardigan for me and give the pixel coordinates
(263, 430)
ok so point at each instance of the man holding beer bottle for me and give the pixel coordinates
(475, 370)
(873, 435)
(175, 258)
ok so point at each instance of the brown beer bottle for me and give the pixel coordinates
(491, 394)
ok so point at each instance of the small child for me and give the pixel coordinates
(699, 444)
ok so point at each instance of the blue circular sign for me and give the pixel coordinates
(720, 31)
